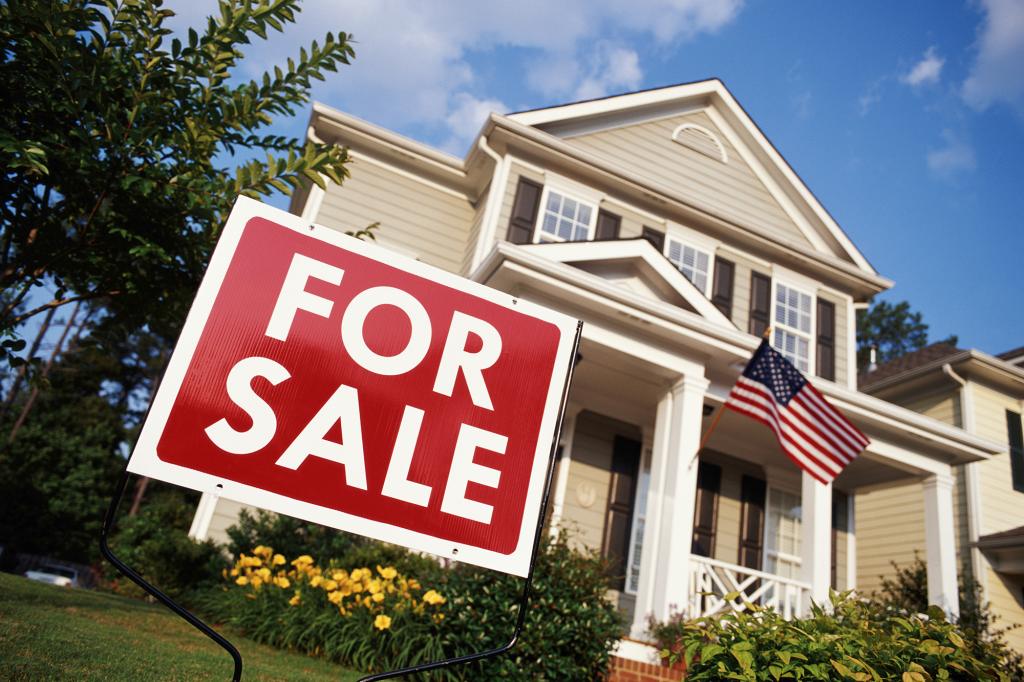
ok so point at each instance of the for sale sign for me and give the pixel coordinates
(327, 378)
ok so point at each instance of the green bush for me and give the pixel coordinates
(907, 589)
(854, 640)
(155, 543)
(570, 626)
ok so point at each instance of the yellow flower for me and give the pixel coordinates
(234, 571)
(303, 561)
(283, 583)
(264, 574)
(378, 597)
(334, 597)
(315, 582)
(339, 575)
(413, 584)
(374, 586)
(388, 573)
(330, 585)
(382, 622)
(256, 582)
(366, 602)
(294, 600)
(263, 551)
(433, 598)
(278, 559)
(242, 580)
(357, 574)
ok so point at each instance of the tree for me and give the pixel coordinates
(116, 145)
(893, 329)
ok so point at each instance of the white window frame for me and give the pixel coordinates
(686, 237)
(571, 190)
(811, 335)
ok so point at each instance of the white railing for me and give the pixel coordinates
(717, 587)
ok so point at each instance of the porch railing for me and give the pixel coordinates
(717, 587)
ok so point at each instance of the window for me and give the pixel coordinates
(1016, 440)
(782, 535)
(565, 219)
(792, 325)
(694, 263)
(636, 543)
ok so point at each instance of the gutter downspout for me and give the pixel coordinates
(488, 225)
(972, 489)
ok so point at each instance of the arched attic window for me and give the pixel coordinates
(700, 139)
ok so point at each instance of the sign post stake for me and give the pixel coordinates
(108, 525)
(525, 597)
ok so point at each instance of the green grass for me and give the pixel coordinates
(49, 633)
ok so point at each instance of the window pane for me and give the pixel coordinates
(584, 216)
(549, 223)
(569, 208)
(554, 201)
(565, 229)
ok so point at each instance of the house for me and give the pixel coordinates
(668, 222)
(983, 395)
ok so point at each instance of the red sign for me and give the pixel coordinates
(329, 379)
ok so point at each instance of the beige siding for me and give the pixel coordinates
(1001, 505)
(841, 350)
(224, 516)
(416, 219)
(842, 538)
(943, 405)
(1005, 595)
(890, 527)
(728, 189)
(586, 496)
(632, 222)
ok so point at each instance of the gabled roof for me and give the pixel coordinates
(902, 372)
(620, 110)
(640, 253)
(924, 356)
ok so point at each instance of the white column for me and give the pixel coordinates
(940, 544)
(200, 528)
(668, 534)
(562, 466)
(816, 538)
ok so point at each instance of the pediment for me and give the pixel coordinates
(696, 141)
(634, 265)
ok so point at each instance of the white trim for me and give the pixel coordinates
(314, 199)
(851, 542)
(146, 461)
(569, 252)
(632, 650)
(577, 190)
(538, 231)
(723, 156)
(851, 343)
(643, 486)
(940, 543)
(492, 210)
(200, 529)
(362, 156)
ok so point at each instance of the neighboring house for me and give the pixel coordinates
(983, 395)
(669, 224)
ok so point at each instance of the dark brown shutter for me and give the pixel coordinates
(760, 303)
(826, 364)
(721, 287)
(619, 520)
(1016, 440)
(524, 212)
(656, 237)
(608, 225)
(840, 522)
(705, 517)
(752, 498)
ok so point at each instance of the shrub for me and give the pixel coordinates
(855, 640)
(907, 589)
(369, 619)
(570, 625)
(155, 543)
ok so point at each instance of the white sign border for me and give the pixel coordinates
(145, 462)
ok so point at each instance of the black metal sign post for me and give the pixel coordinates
(108, 524)
(196, 622)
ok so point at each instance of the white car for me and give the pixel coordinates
(55, 575)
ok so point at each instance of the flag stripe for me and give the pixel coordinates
(812, 433)
(785, 430)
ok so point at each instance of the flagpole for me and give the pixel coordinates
(721, 411)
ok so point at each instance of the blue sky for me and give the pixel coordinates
(905, 119)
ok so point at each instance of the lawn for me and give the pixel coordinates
(49, 633)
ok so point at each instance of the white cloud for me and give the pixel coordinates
(466, 117)
(997, 74)
(927, 71)
(957, 155)
(414, 59)
(871, 97)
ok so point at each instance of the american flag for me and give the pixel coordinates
(811, 432)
